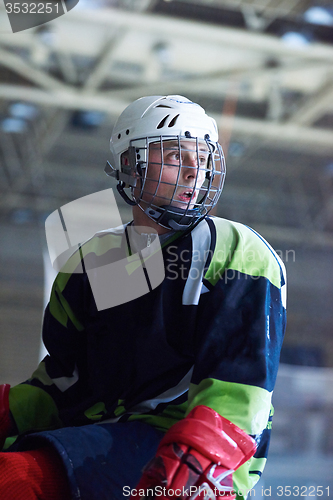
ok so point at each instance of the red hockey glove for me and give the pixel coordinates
(196, 458)
(5, 422)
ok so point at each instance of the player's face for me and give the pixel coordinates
(175, 173)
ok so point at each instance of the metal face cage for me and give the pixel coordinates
(180, 179)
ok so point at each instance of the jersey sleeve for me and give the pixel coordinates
(57, 389)
(239, 336)
(65, 390)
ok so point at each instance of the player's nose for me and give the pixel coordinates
(190, 164)
(193, 169)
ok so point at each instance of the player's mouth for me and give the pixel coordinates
(187, 195)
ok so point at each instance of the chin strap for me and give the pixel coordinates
(173, 217)
(120, 188)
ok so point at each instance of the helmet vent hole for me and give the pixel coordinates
(163, 106)
(162, 122)
(173, 121)
(127, 131)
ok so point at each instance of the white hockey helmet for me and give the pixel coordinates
(156, 119)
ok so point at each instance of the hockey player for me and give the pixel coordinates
(168, 394)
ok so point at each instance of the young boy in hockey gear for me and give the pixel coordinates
(179, 380)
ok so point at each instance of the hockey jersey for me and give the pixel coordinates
(209, 334)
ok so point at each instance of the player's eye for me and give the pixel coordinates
(173, 155)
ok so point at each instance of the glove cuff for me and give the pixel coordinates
(215, 437)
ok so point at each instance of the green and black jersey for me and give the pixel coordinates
(210, 333)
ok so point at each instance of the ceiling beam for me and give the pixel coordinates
(28, 71)
(103, 63)
(288, 133)
(291, 135)
(66, 98)
(196, 30)
(162, 26)
(315, 106)
(267, 8)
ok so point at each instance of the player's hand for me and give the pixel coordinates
(181, 472)
(196, 458)
(5, 422)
